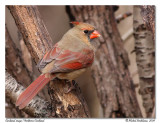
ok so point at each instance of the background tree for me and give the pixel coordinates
(144, 33)
(114, 85)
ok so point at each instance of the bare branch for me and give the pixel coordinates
(121, 17)
(14, 63)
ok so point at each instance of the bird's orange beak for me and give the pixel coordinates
(94, 34)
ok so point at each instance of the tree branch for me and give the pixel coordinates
(37, 108)
(38, 42)
(33, 30)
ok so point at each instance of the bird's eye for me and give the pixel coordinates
(85, 31)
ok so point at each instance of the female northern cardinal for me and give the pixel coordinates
(68, 58)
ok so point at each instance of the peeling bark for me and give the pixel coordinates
(70, 105)
(145, 55)
(148, 15)
(110, 72)
(38, 41)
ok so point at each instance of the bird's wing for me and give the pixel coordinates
(66, 60)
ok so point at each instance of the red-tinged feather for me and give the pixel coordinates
(66, 60)
(75, 65)
(34, 93)
(21, 97)
(45, 55)
(75, 22)
(65, 54)
(76, 60)
(48, 56)
(53, 53)
(31, 91)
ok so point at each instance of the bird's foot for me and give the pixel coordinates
(72, 86)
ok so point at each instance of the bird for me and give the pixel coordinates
(67, 59)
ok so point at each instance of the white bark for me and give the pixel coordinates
(145, 50)
(36, 108)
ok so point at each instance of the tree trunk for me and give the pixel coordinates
(110, 72)
(145, 54)
(38, 41)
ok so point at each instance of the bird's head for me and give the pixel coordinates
(85, 31)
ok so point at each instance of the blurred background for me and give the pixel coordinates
(57, 22)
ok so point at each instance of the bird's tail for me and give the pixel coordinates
(31, 91)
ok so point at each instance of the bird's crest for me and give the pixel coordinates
(82, 26)
(74, 22)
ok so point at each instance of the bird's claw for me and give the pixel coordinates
(71, 87)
